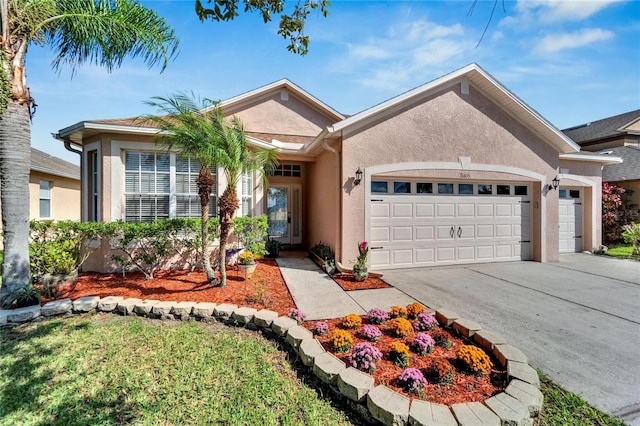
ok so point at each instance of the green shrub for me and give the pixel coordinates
(631, 234)
(251, 233)
(323, 251)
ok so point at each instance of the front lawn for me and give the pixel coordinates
(108, 370)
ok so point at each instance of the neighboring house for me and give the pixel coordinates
(458, 170)
(54, 188)
(618, 136)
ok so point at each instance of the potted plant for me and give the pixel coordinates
(247, 262)
(273, 247)
(330, 266)
(360, 272)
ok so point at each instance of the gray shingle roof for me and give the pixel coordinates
(629, 169)
(601, 129)
(45, 163)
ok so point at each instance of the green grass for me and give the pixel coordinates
(565, 408)
(622, 251)
(109, 370)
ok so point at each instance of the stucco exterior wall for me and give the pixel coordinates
(65, 197)
(442, 129)
(324, 200)
(273, 114)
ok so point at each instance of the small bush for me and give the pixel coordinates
(377, 316)
(364, 357)
(422, 344)
(425, 322)
(398, 312)
(352, 321)
(321, 328)
(474, 358)
(251, 231)
(399, 354)
(443, 371)
(400, 327)
(412, 380)
(340, 341)
(631, 234)
(371, 332)
(414, 309)
(442, 339)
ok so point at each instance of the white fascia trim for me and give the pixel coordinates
(114, 128)
(292, 146)
(56, 173)
(594, 205)
(604, 159)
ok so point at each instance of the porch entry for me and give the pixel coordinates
(284, 213)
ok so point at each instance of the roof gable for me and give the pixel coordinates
(471, 74)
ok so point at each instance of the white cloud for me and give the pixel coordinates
(556, 42)
(552, 11)
(394, 59)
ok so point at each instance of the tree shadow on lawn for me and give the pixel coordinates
(32, 382)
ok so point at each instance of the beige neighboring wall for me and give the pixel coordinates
(65, 197)
(441, 129)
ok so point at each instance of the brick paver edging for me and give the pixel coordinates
(517, 405)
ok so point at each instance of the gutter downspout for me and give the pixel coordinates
(338, 229)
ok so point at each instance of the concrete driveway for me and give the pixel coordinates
(577, 320)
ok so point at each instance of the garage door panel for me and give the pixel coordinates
(380, 210)
(445, 232)
(402, 233)
(425, 233)
(425, 255)
(484, 210)
(446, 210)
(504, 210)
(466, 253)
(380, 234)
(425, 210)
(484, 231)
(485, 252)
(466, 210)
(403, 257)
(504, 251)
(569, 225)
(465, 232)
(445, 254)
(402, 210)
(504, 231)
(381, 257)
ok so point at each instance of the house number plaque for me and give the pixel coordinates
(465, 175)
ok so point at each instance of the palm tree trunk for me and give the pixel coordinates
(228, 205)
(205, 183)
(15, 162)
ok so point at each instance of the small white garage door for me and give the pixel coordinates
(570, 220)
(416, 224)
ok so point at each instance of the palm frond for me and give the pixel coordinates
(105, 32)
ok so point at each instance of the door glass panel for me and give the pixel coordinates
(296, 213)
(277, 205)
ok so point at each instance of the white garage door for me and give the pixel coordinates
(437, 223)
(570, 220)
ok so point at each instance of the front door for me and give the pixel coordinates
(284, 214)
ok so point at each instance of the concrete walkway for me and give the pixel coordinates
(318, 296)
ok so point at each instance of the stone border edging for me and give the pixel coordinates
(517, 405)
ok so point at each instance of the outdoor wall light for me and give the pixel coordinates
(358, 178)
(554, 183)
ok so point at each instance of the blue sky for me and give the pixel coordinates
(572, 61)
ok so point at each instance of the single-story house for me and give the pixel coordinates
(458, 170)
(617, 136)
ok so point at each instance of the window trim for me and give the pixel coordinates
(48, 197)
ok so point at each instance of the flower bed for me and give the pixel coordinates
(431, 352)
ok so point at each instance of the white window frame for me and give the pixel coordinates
(46, 196)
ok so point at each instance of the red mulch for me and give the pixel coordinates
(192, 286)
(465, 387)
(348, 283)
(185, 286)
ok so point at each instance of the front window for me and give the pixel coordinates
(148, 187)
(45, 199)
(247, 195)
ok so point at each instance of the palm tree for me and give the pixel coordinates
(103, 32)
(199, 129)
